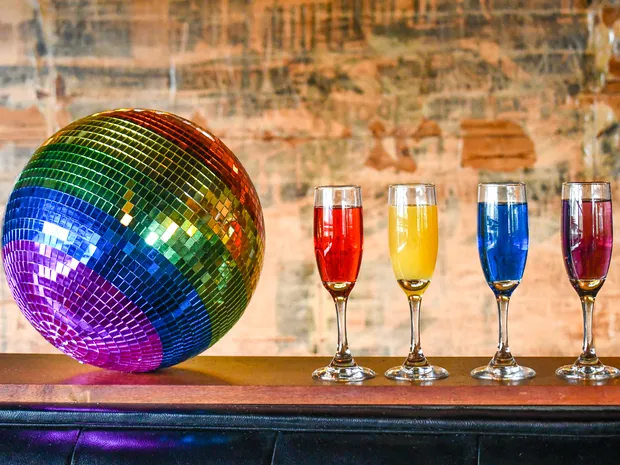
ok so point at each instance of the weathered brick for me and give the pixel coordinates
(355, 91)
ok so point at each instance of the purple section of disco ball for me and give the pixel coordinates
(79, 311)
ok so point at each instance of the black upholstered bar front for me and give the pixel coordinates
(309, 435)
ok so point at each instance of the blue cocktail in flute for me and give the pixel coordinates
(503, 241)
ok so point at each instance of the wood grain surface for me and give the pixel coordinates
(56, 379)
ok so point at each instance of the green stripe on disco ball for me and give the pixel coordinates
(131, 158)
(145, 145)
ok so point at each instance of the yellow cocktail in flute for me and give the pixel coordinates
(413, 245)
(412, 230)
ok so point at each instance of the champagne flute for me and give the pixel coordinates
(412, 231)
(338, 243)
(503, 240)
(587, 239)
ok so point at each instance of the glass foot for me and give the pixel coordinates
(348, 374)
(596, 372)
(424, 373)
(513, 372)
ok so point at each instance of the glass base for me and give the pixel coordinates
(502, 373)
(577, 371)
(348, 374)
(424, 373)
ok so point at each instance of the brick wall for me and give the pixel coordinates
(453, 92)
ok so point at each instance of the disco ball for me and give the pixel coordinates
(133, 240)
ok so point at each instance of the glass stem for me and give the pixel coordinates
(343, 354)
(502, 311)
(416, 356)
(503, 355)
(588, 355)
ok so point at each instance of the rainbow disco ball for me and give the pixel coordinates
(133, 240)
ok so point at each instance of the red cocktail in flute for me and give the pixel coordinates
(338, 243)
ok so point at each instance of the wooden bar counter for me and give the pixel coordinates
(268, 410)
(57, 379)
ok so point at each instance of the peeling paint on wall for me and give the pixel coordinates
(371, 92)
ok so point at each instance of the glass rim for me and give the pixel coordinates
(507, 184)
(337, 186)
(413, 184)
(586, 183)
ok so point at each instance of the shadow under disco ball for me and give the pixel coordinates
(133, 240)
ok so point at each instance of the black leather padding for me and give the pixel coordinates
(549, 450)
(375, 449)
(69, 435)
(172, 447)
(34, 446)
